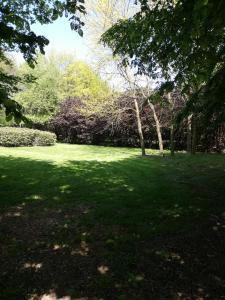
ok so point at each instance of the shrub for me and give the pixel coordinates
(15, 137)
(44, 138)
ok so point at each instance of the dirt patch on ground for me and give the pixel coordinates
(49, 254)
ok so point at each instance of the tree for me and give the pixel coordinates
(80, 80)
(161, 42)
(16, 18)
(158, 126)
(57, 77)
(40, 97)
(101, 15)
(8, 86)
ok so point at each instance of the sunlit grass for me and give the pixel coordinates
(155, 192)
(66, 152)
(93, 222)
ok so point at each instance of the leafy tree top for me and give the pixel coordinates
(16, 18)
(180, 41)
(183, 38)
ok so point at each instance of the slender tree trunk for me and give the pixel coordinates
(172, 146)
(189, 135)
(158, 128)
(140, 132)
(194, 135)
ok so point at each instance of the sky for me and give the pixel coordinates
(62, 39)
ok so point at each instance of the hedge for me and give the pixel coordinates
(15, 137)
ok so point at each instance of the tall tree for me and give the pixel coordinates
(161, 42)
(81, 81)
(16, 18)
(8, 86)
(41, 95)
(101, 15)
(58, 77)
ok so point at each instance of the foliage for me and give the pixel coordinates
(16, 18)
(81, 81)
(101, 15)
(8, 86)
(116, 127)
(161, 42)
(57, 77)
(40, 97)
(72, 125)
(15, 137)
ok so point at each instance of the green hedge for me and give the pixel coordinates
(15, 137)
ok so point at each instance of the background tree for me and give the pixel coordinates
(161, 42)
(40, 96)
(101, 15)
(57, 77)
(80, 80)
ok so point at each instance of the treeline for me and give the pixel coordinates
(119, 128)
(69, 98)
(186, 110)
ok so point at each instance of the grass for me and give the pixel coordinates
(91, 222)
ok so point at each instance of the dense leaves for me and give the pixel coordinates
(40, 97)
(180, 41)
(117, 127)
(80, 80)
(55, 78)
(15, 137)
(16, 19)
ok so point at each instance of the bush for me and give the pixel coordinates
(44, 138)
(15, 137)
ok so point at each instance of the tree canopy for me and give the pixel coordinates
(39, 97)
(80, 80)
(16, 19)
(55, 78)
(181, 42)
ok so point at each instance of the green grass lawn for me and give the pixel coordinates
(88, 222)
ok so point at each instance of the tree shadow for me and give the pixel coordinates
(136, 228)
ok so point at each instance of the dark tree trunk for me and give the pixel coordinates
(194, 134)
(189, 135)
(172, 146)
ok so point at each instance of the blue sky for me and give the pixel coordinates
(62, 39)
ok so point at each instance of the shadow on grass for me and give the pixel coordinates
(136, 228)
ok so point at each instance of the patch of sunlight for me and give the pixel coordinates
(3, 176)
(35, 266)
(136, 278)
(64, 153)
(103, 269)
(34, 197)
(129, 188)
(65, 188)
(59, 247)
(14, 214)
(53, 296)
